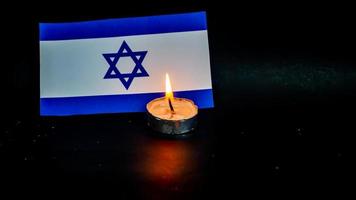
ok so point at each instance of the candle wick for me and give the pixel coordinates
(170, 104)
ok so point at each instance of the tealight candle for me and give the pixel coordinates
(170, 115)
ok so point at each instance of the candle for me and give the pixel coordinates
(170, 115)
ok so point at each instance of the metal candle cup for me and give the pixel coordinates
(181, 121)
(172, 116)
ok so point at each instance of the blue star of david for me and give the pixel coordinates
(125, 78)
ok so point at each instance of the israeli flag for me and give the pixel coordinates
(119, 65)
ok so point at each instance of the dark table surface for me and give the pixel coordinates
(234, 151)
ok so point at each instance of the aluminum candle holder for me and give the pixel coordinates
(180, 122)
(172, 116)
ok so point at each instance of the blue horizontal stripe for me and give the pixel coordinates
(115, 103)
(124, 26)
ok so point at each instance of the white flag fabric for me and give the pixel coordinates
(119, 65)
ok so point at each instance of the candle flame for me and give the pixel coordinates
(169, 93)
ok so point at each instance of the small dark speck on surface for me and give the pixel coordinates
(299, 131)
(18, 122)
(28, 156)
(175, 188)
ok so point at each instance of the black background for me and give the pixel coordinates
(283, 78)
